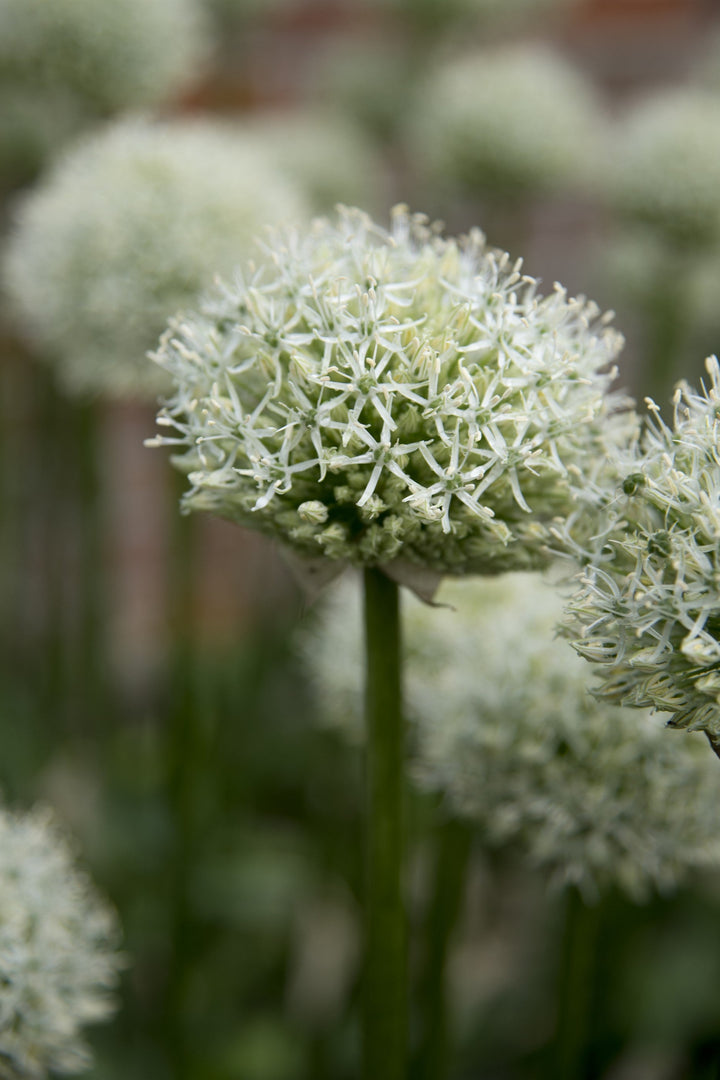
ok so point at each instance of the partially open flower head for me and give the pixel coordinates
(67, 63)
(58, 951)
(372, 396)
(509, 122)
(664, 168)
(128, 228)
(651, 615)
(503, 725)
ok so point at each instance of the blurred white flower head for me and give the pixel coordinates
(651, 615)
(663, 166)
(67, 63)
(509, 122)
(416, 392)
(58, 951)
(127, 229)
(326, 154)
(503, 725)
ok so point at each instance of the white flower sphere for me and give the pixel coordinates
(371, 395)
(67, 63)
(503, 725)
(511, 121)
(126, 230)
(663, 167)
(326, 155)
(650, 616)
(58, 951)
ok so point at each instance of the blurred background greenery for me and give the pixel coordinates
(152, 687)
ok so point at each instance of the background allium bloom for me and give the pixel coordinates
(665, 164)
(511, 121)
(67, 63)
(380, 395)
(58, 950)
(504, 726)
(651, 615)
(326, 154)
(127, 229)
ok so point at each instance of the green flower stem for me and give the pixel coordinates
(575, 988)
(385, 977)
(454, 842)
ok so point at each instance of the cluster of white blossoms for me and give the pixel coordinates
(515, 120)
(651, 616)
(372, 396)
(503, 725)
(58, 951)
(68, 63)
(128, 228)
(664, 168)
(328, 156)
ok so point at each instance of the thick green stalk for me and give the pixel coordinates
(385, 976)
(576, 986)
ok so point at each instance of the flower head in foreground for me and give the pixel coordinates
(511, 121)
(127, 229)
(371, 395)
(69, 63)
(58, 951)
(665, 165)
(503, 725)
(651, 616)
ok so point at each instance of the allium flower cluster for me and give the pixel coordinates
(328, 156)
(375, 396)
(127, 229)
(68, 63)
(58, 951)
(665, 165)
(511, 121)
(504, 726)
(651, 615)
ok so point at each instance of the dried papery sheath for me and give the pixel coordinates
(374, 396)
(503, 725)
(59, 960)
(128, 228)
(651, 615)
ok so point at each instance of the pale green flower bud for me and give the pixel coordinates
(503, 726)
(393, 377)
(58, 951)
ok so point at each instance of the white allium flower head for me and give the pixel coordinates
(418, 389)
(67, 63)
(58, 950)
(503, 725)
(664, 167)
(651, 615)
(512, 120)
(127, 229)
(328, 156)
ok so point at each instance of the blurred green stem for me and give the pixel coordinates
(575, 986)
(454, 842)
(666, 337)
(385, 976)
